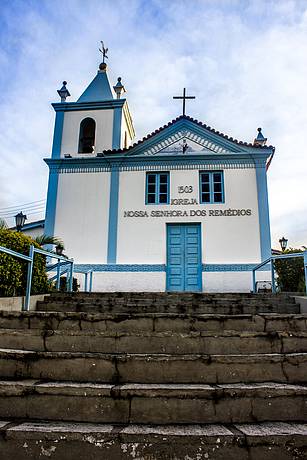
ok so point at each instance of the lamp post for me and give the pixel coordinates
(20, 219)
(283, 243)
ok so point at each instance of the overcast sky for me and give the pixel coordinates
(246, 61)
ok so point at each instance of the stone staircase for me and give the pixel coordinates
(152, 376)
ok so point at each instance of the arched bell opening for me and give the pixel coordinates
(87, 136)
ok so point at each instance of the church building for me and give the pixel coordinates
(183, 209)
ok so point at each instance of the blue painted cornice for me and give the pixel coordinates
(32, 225)
(122, 162)
(70, 106)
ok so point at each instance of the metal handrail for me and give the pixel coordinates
(271, 261)
(30, 260)
(87, 288)
(14, 253)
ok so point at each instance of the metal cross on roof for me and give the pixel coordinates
(183, 97)
(103, 51)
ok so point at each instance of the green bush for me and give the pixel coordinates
(290, 272)
(13, 271)
(63, 281)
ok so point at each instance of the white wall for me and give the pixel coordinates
(124, 129)
(232, 281)
(82, 215)
(128, 281)
(71, 127)
(156, 281)
(231, 239)
(34, 232)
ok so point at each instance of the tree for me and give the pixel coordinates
(13, 271)
(290, 272)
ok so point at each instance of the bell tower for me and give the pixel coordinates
(99, 120)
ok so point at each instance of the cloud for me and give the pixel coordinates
(244, 60)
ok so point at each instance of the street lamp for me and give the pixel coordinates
(20, 219)
(283, 243)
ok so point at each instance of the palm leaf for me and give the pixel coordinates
(46, 239)
(3, 224)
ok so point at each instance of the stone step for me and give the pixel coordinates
(158, 322)
(199, 342)
(153, 368)
(173, 294)
(166, 297)
(220, 307)
(168, 301)
(152, 404)
(71, 441)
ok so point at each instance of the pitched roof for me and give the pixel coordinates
(98, 90)
(198, 123)
(31, 225)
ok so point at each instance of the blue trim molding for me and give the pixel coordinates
(162, 267)
(31, 225)
(230, 267)
(117, 124)
(163, 163)
(51, 202)
(97, 105)
(57, 135)
(113, 216)
(263, 211)
(121, 267)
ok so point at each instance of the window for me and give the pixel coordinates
(211, 187)
(157, 188)
(87, 135)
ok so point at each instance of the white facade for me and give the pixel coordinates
(81, 218)
(98, 202)
(223, 238)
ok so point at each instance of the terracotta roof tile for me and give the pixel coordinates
(199, 123)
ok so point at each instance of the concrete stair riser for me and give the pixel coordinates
(153, 368)
(231, 303)
(230, 309)
(59, 441)
(166, 302)
(167, 298)
(153, 404)
(158, 322)
(154, 342)
(182, 296)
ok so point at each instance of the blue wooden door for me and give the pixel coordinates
(184, 266)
